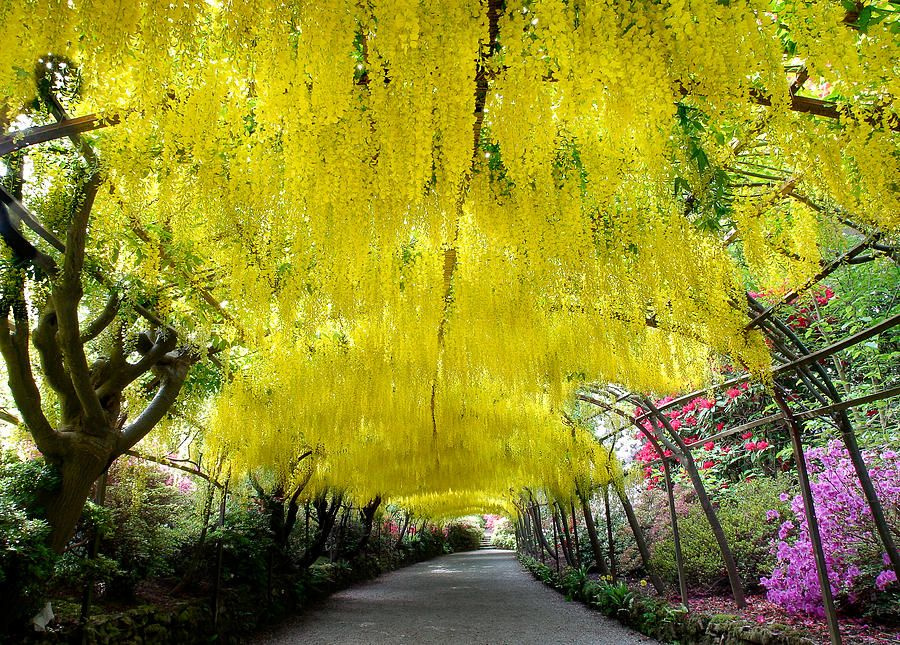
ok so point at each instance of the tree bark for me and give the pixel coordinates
(655, 580)
(86, 459)
(609, 534)
(563, 530)
(539, 531)
(403, 529)
(596, 548)
(368, 517)
(325, 515)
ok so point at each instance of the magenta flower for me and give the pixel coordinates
(885, 578)
(847, 530)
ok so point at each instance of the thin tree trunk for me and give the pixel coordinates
(639, 539)
(539, 531)
(342, 530)
(326, 514)
(88, 596)
(596, 548)
(220, 560)
(611, 545)
(578, 557)
(530, 539)
(403, 528)
(555, 541)
(676, 534)
(368, 518)
(563, 529)
(194, 564)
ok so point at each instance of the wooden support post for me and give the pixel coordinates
(306, 520)
(220, 560)
(577, 554)
(673, 516)
(562, 527)
(644, 550)
(591, 528)
(539, 532)
(687, 461)
(795, 428)
(555, 541)
(676, 536)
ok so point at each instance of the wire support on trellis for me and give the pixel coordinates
(887, 393)
(806, 359)
(827, 270)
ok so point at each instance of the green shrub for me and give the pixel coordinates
(26, 562)
(246, 544)
(609, 597)
(572, 582)
(147, 524)
(503, 537)
(463, 535)
(750, 536)
(425, 544)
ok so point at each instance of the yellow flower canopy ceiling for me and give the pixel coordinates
(428, 221)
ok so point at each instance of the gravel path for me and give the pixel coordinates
(476, 597)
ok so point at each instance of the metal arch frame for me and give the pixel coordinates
(806, 365)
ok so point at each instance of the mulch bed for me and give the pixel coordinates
(853, 630)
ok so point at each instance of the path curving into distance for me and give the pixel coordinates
(476, 597)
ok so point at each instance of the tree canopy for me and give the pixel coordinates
(410, 230)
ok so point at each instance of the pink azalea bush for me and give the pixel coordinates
(856, 562)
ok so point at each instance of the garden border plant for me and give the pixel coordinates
(656, 617)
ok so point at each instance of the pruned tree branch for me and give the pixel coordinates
(126, 373)
(8, 417)
(171, 380)
(67, 294)
(103, 320)
(55, 374)
(168, 463)
(26, 394)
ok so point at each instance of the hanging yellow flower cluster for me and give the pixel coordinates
(429, 221)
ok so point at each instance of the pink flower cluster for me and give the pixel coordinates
(848, 535)
(805, 313)
(692, 421)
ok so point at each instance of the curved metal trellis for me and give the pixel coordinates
(798, 367)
